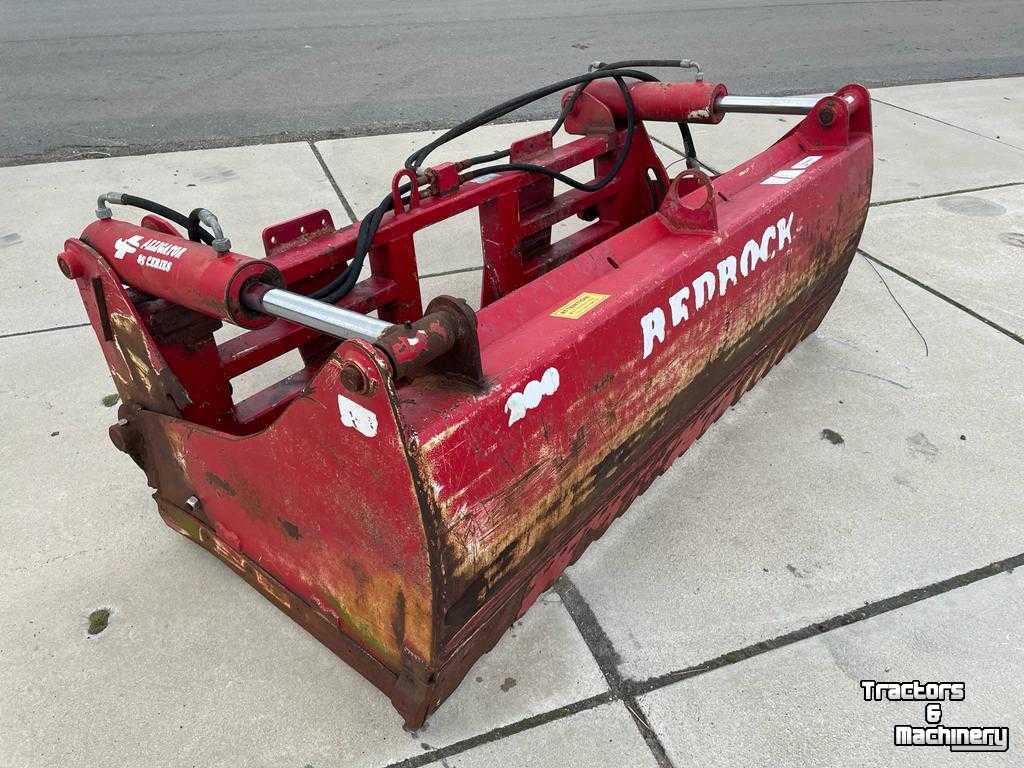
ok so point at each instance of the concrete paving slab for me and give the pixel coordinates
(917, 156)
(968, 247)
(993, 108)
(363, 168)
(65, 491)
(124, 697)
(53, 399)
(803, 706)
(249, 188)
(766, 524)
(196, 667)
(461, 285)
(604, 737)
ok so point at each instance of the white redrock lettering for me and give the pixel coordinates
(519, 403)
(755, 251)
(653, 325)
(362, 420)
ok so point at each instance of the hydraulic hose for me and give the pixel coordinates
(620, 158)
(195, 231)
(337, 288)
(341, 285)
(416, 159)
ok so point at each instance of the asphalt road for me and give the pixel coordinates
(82, 79)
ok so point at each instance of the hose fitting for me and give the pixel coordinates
(102, 209)
(220, 243)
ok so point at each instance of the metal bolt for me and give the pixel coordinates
(354, 380)
(71, 268)
(827, 114)
(193, 504)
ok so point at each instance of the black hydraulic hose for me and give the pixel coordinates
(629, 63)
(689, 149)
(343, 283)
(593, 186)
(471, 161)
(195, 229)
(572, 102)
(416, 159)
(201, 235)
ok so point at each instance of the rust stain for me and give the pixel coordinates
(491, 545)
(398, 619)
(152, 384)
(220, 483)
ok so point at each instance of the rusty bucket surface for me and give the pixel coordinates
(406, 497)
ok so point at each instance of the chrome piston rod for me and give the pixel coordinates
(766, 105)
(318, 315)
(770, 105)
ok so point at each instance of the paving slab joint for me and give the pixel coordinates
(949, 124)
(951, 193)
(867, 611)
(505, 731)
(608, 661)
(334, 183)
(938, 294)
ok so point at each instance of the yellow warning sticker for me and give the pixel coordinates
(578, 307)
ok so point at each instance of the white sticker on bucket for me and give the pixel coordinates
(787, 175)
(362, 420)
(519, 403)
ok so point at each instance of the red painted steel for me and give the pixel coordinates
(406, 520)
(664, 102)
(179, 270)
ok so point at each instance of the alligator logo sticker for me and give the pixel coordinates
(126, 246)
(519, 403)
